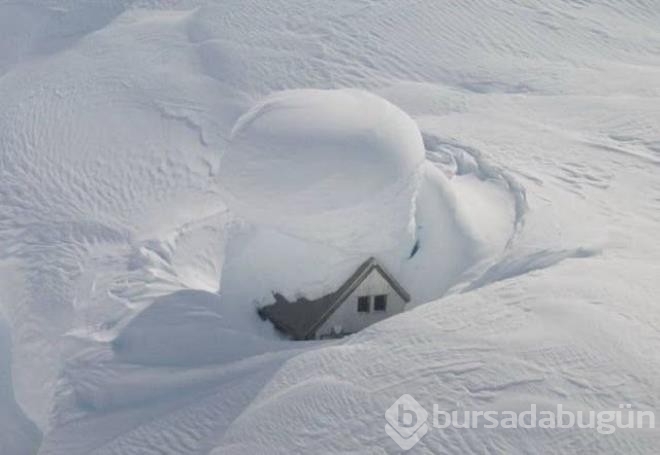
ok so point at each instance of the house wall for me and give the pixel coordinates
(347, 316)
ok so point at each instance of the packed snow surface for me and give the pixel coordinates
(166, 163)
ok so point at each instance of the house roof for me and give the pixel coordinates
(301, 318)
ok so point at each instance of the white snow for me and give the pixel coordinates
(322, 179)
(154, 151)
(20, 435)
(304, 158)
(313, 172)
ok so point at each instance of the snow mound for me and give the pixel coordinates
(305, 161)
(188, 328)
(325, 179)
(23, 436)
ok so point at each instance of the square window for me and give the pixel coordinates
(380, 302)
(363, 304)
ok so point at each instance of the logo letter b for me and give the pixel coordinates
(407, 417)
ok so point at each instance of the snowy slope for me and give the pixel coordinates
(536, 280)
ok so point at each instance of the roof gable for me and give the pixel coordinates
(363, 272)
(303, 317)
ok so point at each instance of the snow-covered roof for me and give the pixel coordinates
(323, 178)
(303, 159)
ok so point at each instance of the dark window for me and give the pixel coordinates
(380, 303)
(363, 304)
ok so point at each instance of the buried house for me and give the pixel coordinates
(369, 295)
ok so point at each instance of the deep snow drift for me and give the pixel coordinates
(314, 172)
(536, 211)
(323, 179)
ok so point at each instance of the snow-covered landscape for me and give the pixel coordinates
(166, 166)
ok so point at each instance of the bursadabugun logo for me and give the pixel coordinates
(406, 422)
(407, 419)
